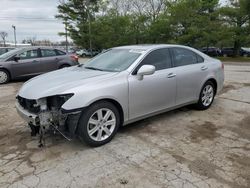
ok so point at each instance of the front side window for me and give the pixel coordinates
(30, 54)
(160, 58)
(48, 52)
(182, 57)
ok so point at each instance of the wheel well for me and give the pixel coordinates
(64, 65)
(117, 105)
(6, 71)
(214, 82)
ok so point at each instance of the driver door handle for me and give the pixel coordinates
(171, 75)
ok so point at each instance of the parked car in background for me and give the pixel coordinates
(3, 50)
(211, 51)
(118, 87)
(31, 61)
(227, 52)
(83, 53)
(87, 53)
(245, 52)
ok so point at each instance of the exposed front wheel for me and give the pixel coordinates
(206, 96)
(99, 123)
(4, 77)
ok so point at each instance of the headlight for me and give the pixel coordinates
(58, 100)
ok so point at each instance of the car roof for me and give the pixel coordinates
(7, 47)
(146, 47)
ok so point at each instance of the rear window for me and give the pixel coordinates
(59, 52)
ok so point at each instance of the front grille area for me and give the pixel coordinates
(28, 105)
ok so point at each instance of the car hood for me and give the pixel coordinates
(59, 82)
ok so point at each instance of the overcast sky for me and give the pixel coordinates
(21, 12)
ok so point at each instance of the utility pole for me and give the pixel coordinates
(14, 27)
(66, 35)
(89, 20)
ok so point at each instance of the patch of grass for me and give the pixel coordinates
(234, 59)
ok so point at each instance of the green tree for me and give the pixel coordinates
(236, 19)
(194, 22)
(78, 14)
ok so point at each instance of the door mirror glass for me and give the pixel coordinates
(145, 70)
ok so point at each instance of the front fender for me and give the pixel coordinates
(115, 89)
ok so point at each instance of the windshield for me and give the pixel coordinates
(114, 60)
(9, 54)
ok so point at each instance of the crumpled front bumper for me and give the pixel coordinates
(27, 116)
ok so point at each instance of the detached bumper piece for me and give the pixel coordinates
(47, 119)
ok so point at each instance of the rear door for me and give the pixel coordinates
(191, 70)
(49, 60)
(28, 64)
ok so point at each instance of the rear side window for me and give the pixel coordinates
(48, 52)
(199, 59)
(182, 57)
(59, 52)
(160, 58)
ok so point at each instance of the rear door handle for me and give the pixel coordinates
(171, 75)
(203, 68)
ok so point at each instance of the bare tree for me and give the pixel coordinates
(31, 40)
(3, 35)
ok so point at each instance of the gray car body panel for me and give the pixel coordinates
(34, 66)
(138, 98)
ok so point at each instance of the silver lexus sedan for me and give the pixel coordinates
(120, 86)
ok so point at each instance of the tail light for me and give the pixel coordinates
(222, 66)
(74, 57)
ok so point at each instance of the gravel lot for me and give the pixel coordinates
(182, 148)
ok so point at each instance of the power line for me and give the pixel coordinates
(29, 19)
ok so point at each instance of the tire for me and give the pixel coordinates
(64, 66)
(4, 76)
(98, 132)
(208, 92)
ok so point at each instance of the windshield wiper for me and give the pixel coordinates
(93, 68)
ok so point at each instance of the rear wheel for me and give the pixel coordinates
(99, 123)
(4, 76)
(206, 96)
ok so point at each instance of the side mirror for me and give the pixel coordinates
(145, 70)
(16, 58)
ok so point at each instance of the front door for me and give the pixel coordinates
(154, 92)
(27, 65)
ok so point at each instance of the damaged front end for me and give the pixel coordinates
(46, 114)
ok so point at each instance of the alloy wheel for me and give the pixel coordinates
(101, 124)
(207, 95)
(3, 77)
